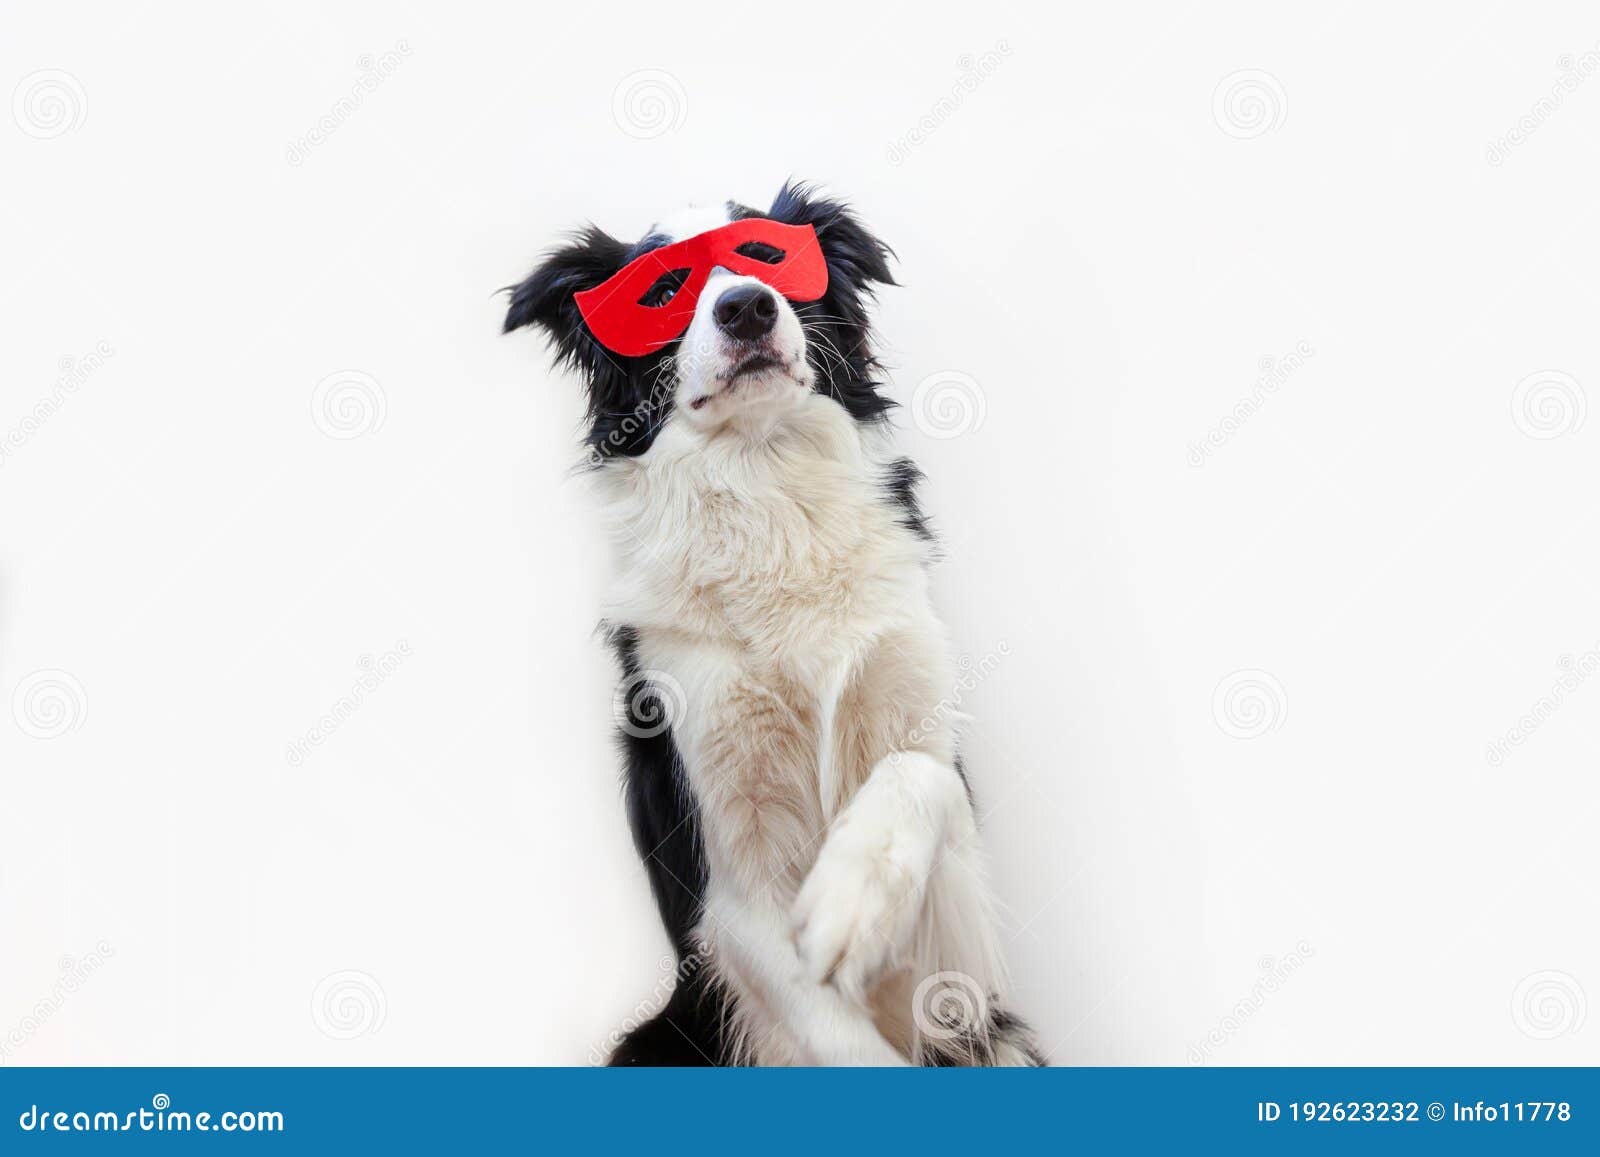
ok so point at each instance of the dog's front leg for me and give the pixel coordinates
(857, 911)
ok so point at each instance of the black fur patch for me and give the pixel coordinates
(901, 483)
(661, 808)
(665, 821)
(691, 1031)
(977, 1049)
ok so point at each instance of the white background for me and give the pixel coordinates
(1106, 235)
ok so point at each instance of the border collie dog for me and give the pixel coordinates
(787, 731)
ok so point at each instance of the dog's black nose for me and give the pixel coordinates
(747, 312)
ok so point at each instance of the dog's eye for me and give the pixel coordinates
(761, 251)
(665, 288)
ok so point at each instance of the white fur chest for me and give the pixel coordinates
(780, 599)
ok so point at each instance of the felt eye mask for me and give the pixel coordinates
(651, 300)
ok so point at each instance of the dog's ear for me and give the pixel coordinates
(854, 254)
(545, 298)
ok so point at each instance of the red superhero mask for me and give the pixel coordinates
(619, 310)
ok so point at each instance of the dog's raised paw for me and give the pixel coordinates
(857, 910)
